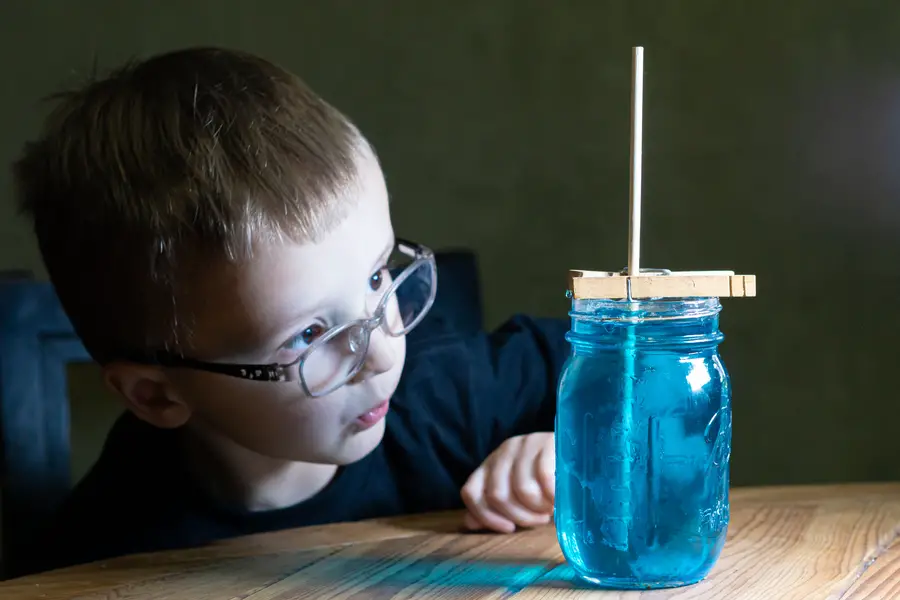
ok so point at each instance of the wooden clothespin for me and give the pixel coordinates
(674, 284)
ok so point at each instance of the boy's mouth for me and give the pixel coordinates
(373, 416)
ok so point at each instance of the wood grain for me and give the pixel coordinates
(834, 542)
(880, 577)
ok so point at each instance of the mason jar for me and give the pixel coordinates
(643, 442)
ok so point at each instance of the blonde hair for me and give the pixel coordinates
(194, 153)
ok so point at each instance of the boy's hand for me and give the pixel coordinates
(514, 486)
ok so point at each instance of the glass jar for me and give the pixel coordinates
(643, 442)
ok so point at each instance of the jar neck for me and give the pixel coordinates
(675, 323)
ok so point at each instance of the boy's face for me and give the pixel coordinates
(262, 311)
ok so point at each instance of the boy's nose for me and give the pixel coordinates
(380, 357)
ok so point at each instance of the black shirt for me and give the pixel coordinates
(460, 396)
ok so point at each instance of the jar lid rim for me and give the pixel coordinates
(650, 309)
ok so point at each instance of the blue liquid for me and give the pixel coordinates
(643, 441)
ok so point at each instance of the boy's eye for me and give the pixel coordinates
(376, 281)
(308, 335)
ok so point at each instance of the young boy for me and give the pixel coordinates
(221, 240)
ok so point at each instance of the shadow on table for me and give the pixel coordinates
(437, 572)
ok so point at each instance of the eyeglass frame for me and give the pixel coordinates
(282, 372)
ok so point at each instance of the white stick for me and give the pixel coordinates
(629, 357)
(637, 130)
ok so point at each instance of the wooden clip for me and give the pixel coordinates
(675, 284)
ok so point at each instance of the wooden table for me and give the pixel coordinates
(837, 542)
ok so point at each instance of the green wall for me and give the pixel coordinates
(772, 130)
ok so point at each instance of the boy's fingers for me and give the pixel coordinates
(501, 498)
(471, 523)
(545, 471)
(475, 501)
(525, 484)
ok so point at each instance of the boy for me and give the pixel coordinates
(220, 239)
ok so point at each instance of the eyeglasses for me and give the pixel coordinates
(338, 355)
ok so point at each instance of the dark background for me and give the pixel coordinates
(771, 140)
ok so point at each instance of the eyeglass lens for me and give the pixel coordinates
(330, 364)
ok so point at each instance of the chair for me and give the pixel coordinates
(37, 342)
(459, 299)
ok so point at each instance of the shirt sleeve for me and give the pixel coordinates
(516, 382)
(473, 392)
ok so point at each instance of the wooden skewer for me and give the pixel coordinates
(637, 130)
(621, 528)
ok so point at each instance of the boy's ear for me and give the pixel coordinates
(147, 393)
